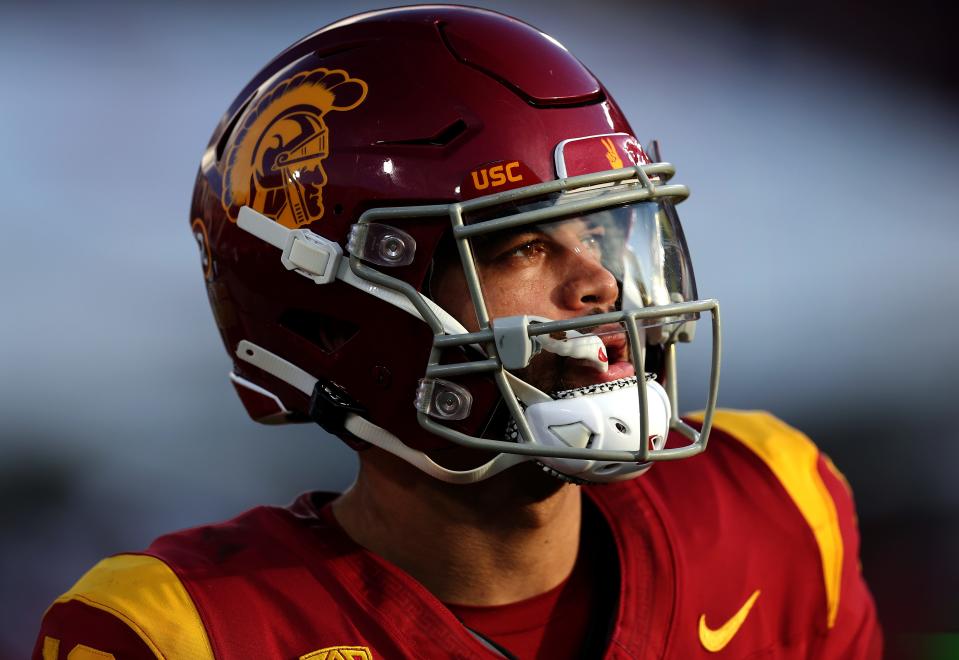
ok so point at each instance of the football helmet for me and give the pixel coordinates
(416, 235)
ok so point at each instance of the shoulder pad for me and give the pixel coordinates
(147, 596)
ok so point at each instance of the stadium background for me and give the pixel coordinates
(820, 143)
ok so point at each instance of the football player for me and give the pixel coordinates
(431, 231)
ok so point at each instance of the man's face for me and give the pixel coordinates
(554, 271)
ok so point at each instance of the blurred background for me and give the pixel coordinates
(821, 144)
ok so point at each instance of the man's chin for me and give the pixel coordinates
(529, 483)
(521, 485)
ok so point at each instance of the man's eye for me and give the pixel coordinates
(528, 250)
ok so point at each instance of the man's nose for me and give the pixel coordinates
(587, 284)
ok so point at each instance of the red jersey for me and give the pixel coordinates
(569, 620)
(748, 550)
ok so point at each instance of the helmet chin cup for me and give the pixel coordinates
(600, 417)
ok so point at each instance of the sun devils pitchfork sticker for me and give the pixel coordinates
(274, 162)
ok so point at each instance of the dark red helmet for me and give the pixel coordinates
(341, 175)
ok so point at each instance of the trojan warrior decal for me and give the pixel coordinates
(274, 162)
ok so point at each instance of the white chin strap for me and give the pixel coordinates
(380, 437)
(606, 418)
(366, 430)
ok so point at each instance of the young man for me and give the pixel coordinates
(432, 231)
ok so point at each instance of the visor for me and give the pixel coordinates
(628, 257)
(639, 247)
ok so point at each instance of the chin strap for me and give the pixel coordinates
(380, 437)
(534, 399)
(366, 430)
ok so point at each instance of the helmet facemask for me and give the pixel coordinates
(559, 289)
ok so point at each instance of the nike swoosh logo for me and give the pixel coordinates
(715, 640)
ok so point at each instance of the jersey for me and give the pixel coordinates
(748, 550)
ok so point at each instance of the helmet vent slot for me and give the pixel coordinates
(228, 131)
(325, 332)
(441, 139)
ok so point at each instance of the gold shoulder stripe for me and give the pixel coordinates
(792, 458)
(145, 594)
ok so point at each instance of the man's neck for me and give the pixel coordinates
(511, 537)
